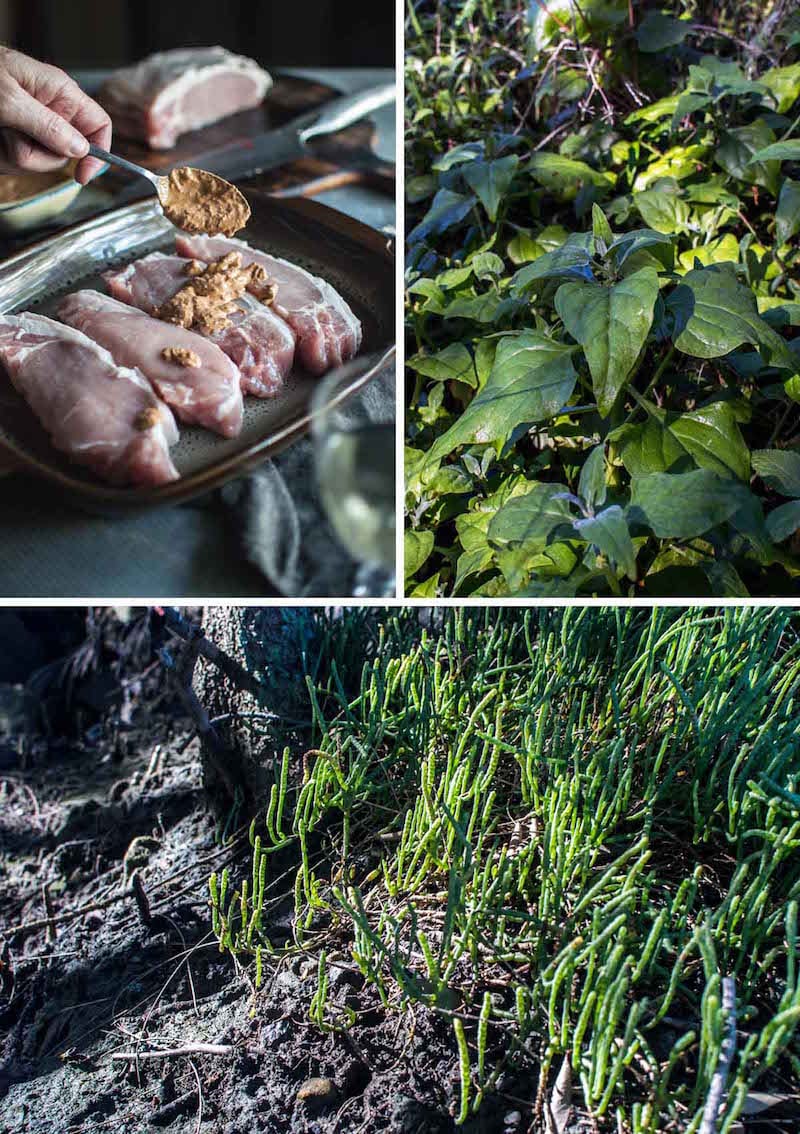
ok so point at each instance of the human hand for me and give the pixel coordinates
(45, 118)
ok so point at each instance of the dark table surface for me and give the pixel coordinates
(51, 550)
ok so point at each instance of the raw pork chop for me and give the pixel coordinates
(260, 343)
(207, 395)
(328, 332)
(173, 92)
(100, 414)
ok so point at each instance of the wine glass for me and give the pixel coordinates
(354, 456)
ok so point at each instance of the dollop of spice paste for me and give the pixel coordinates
(208, 301)
(198, 201)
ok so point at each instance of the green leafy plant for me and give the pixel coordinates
(559, 831)
(602, 299)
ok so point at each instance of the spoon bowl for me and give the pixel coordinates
(214, 187)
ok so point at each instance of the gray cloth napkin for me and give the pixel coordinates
(285, 531)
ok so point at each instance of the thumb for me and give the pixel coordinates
(31, 117)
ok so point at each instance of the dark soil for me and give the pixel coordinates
(124, 977)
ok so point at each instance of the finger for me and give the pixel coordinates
(90, 119)
(43, 125)
(101, 136)
(22, 152)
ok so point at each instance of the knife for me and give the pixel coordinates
(285, 144)
(249, 156)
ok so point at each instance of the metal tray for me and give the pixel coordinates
(356, 259)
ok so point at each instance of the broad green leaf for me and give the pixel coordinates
(592, 482)
(450, 480)
(711, 436)
(725, 579)
(486, 265)
(564, 176)
(484, 359)
(784, 82)
(468, 152)
(679, 162)
(779, 468)
(472, 562)
(779, 151)
(688, 104)
(427, 589)
(657, 32)
(787, 216)
(664, 212)
(741, 154)
(452, 278)
(608, 531)
(448, 209)
(490, 181)
(526, 247)
(418, 188)
(648, 448)
(523, 248)
(601, 229)
(532, 518)
(784, 521)
(685, 505)
(519, 563)
(778, 312)
(715, 314)
(451, 364)
(416, 549)
(472, 528)
(611, 324)
(725, 77)
(571, 259)
(655, 112)
(629, 243)
(435, 298)
(531, 380)
(724, 250)
(548, 589)
(487, 308)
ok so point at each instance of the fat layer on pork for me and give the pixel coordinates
(172, 92)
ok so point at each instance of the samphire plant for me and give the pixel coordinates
(602, 296)
(564, 832)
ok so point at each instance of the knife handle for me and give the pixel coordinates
(345, 111)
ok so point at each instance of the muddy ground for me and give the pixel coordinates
(79, 816)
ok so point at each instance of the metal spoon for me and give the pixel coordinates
(161, 184)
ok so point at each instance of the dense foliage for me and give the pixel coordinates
(602, 296)
(560, 831)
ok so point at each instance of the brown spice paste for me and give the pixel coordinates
(207, 302)
(147, 419)
(198, 201)
(182, 356)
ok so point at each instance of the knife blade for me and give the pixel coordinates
(287, 143)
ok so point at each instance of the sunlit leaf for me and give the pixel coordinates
(714, 314)
(611, 324)
(531, 379)
(447, 210)
(490, 181)
(787, 216)
(685, 505)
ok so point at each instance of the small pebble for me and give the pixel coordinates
(513, 1118)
